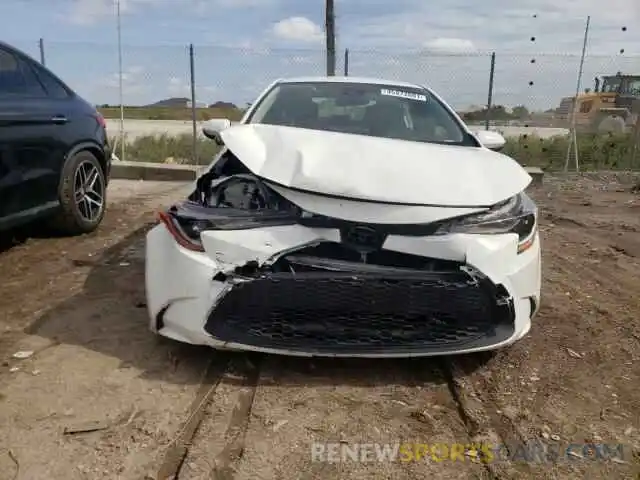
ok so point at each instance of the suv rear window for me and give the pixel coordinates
(17, 78)
(54, 88)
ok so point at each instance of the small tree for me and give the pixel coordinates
(520, 111)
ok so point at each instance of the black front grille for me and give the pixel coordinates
(397, 311)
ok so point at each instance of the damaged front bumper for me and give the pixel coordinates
(297, 290)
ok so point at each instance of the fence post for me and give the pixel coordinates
(346, 62)
(192, 67)
(492, 72)
(41, 46)
(120, 83)
(636, 141)
(330, 39)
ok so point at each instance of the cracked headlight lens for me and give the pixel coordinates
(518, 214)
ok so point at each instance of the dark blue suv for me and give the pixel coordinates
(54, 153)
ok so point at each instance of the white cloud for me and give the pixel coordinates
(178, 87)
(88, 12)
(136, 70)
(202, 7)
(447, 47)
(500, 25)
(247, 47)
(132, 82)
(299, 29)
(456, 45)
(241, 3)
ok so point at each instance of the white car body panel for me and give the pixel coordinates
(357, 179)
(233, 248)
(355, 166)
(182, 282)
(370, 212)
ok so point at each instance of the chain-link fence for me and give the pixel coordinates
(164, 92)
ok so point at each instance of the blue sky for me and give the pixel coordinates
(241, 45)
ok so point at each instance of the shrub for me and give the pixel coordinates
(595, 152)
(170, 149)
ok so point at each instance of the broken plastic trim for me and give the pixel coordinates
(186, 221)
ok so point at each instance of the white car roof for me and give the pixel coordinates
(337, 79)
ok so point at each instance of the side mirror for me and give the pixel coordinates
(491, 140)
(212, 128)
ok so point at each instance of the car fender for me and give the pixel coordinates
(105, 161)
(83, 145)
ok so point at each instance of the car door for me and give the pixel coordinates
(32, 141)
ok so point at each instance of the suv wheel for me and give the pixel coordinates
(82, 195)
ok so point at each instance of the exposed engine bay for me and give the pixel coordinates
(230, 197)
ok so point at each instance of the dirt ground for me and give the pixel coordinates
(102, 398)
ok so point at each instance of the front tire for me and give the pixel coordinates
(82, 195)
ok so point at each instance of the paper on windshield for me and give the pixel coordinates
(402, 94)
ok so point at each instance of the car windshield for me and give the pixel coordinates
(403, 113)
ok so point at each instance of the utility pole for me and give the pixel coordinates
(41, 47)
(330, 31)
(346, 62)
(492, 74)
(122, 142)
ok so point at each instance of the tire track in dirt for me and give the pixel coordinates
(206, 452)
(482, 419)
(557, 387)
(302, 404)
(229, 408)
(177, 450)
(222, 407)
(589, 283)
(225, 463)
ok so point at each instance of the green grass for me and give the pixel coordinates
(169, 149)
(596, 152)
(183, 113)
(170, 113)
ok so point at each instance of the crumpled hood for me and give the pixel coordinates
(376, 169)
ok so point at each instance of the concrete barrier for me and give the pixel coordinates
(154, 171)
(188, 173)
(537, 175)
(138, 128)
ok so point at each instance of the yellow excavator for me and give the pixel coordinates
(612, 107)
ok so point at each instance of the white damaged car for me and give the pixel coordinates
(349, 217)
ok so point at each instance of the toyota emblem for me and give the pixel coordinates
(363, 237)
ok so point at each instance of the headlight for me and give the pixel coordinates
(237, 202)
(515, 215)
